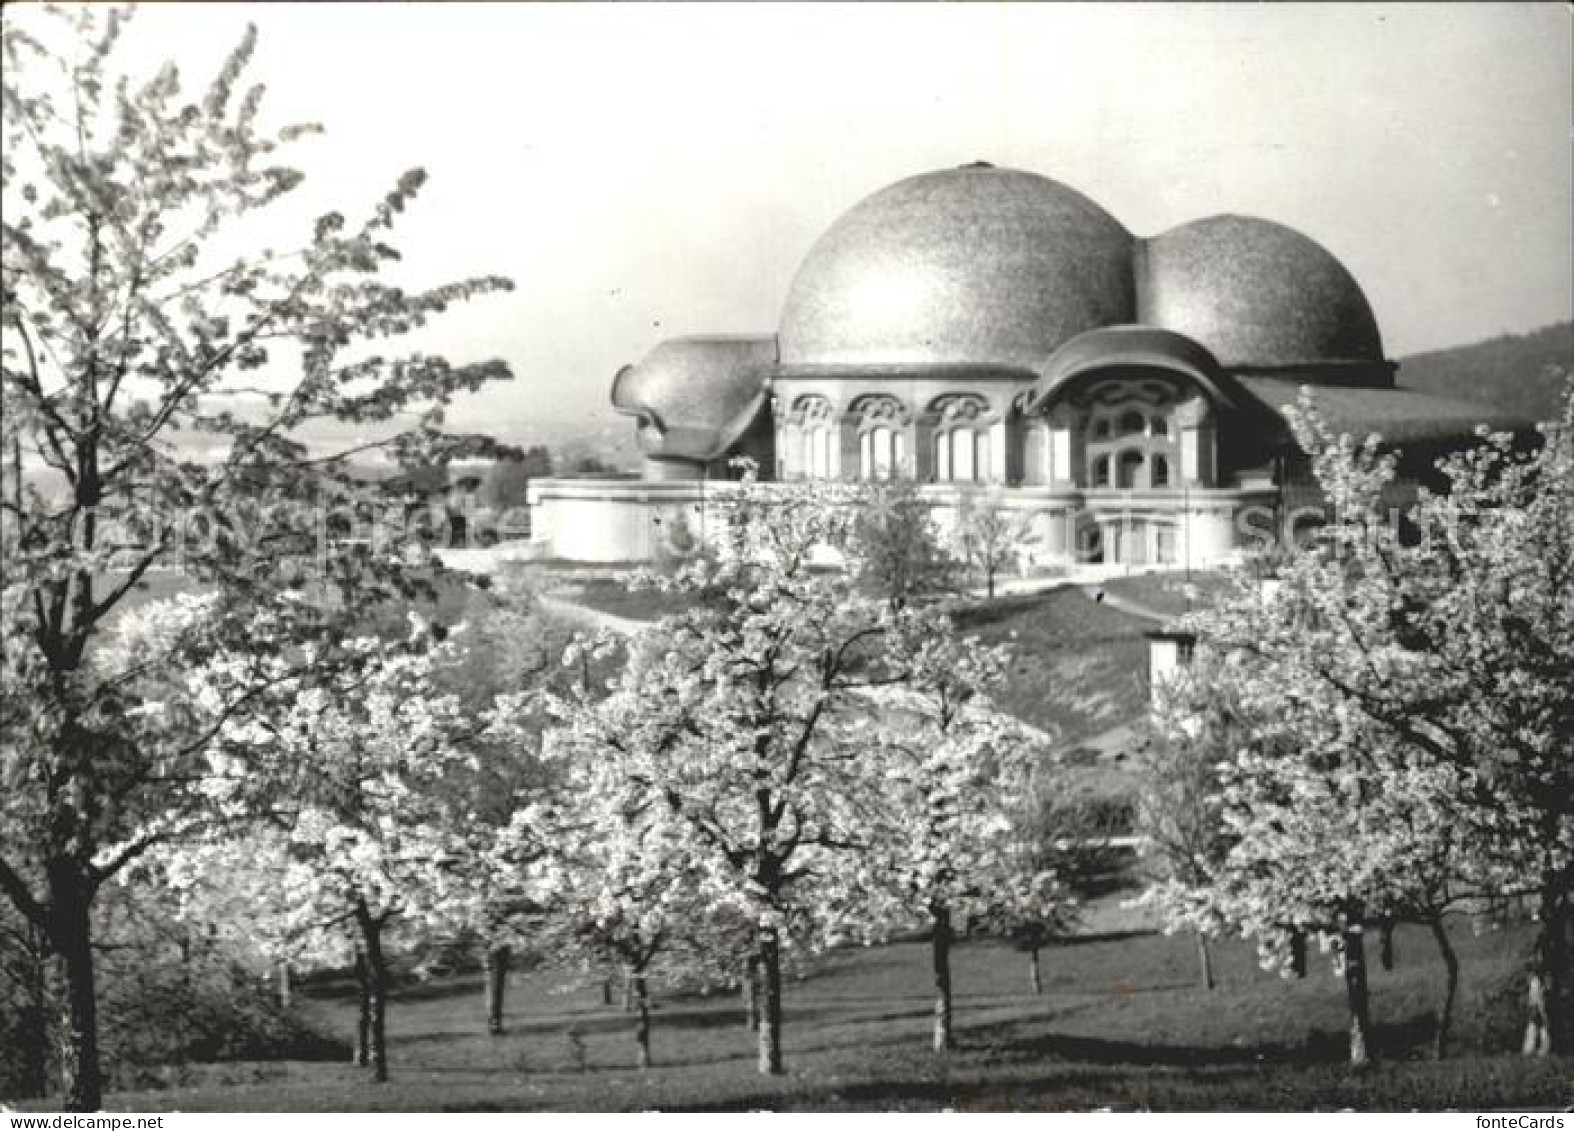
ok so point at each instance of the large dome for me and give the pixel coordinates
(1255, 293)
(975, 264)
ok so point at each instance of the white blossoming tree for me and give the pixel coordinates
(617, 885)
(365, 832)
(894, 546)
(1403, 694)
(737, 721)
(128, 320)
(991, 538)
(1178, 805)
(950, 849)
(1327, 829)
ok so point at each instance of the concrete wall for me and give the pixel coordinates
(620, 520)
(617, 520)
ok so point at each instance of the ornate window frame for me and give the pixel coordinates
(961, 437)
(881, 422)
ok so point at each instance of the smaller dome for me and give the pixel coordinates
(1255, 293)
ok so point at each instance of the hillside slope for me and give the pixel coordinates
(1519, 372)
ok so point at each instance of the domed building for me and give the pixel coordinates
(991, 329)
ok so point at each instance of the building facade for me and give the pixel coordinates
(991, 330)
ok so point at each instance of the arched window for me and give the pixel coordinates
(964, 467)
(880, 452)
(961, 422)
(1127, 468)
(961, 455)
(817, 452)
(1101, 472)
(813, 415)
(1161, 426)
(1132, 422)
(1159, 471)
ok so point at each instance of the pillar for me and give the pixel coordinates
(847, 462)
(995, 470)
(1194, 418)
(1066, 446)
(922, 453)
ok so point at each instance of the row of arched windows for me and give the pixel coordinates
(1129, 446)
(961, 454)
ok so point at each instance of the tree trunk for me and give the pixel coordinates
(642, 1025)
(187, 995)
(1553, 968)
(989, 584)
(33, 1020)
(628, 993)
(770, 1031)
(1445, 1012)
(606, 991)
(940, 954)
(1035, 976)
(284, 985)
(363, 1015)
(751, 993)
(80, 1076)
(1298, 953)
(497, 960)
(1354, 947)
(377, 971)
(1385, 950)
(1205, 961)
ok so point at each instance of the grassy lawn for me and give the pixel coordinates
(1121, 1024)
(1172, 594)
(608, 595)
(1079, 667)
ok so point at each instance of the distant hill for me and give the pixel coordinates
(1523, 373)
(603, 435)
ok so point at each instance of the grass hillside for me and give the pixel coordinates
(1514, 372)
(1121, 1024)
(1079, 667)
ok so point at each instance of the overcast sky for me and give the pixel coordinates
(646, 171)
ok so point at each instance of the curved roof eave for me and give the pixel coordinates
(1130, 345)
